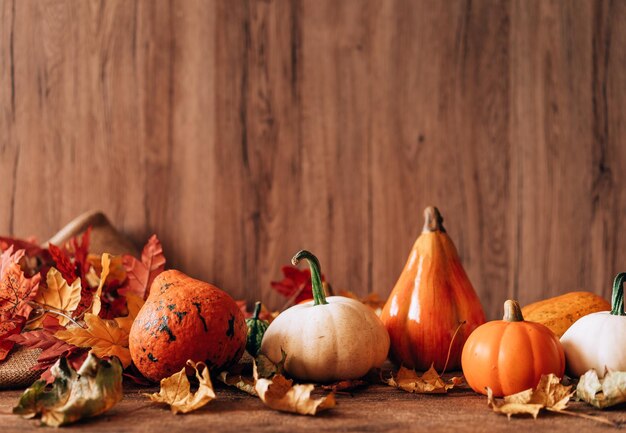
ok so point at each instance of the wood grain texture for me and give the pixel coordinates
(378, 408)
(243, 131)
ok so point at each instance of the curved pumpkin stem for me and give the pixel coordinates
(617, 300)
(512, 311)
(319, 297)
(433, 221)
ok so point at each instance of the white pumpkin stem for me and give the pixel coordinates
(319, 297)
(512, 311)
(617, 301)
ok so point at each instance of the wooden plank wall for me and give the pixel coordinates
(243, 131)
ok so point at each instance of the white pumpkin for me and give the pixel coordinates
(598, 341)
(327, 339)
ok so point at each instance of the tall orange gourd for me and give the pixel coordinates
(432, 299)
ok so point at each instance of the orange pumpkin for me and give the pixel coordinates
(183, 319)
(510, 355)
(432, 300)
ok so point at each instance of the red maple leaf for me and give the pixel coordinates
(81, 251)
(296, 283)
(140, 274)
(63, 263)
(51, 347)
(9, 326)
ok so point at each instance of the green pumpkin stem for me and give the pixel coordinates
(257, 310)
(512, 311)
(617, 300)
(319, 297)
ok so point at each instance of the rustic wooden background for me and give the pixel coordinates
(243, 131)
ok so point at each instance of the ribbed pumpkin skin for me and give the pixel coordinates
(432, 296)
(183, 319)
(510, 357)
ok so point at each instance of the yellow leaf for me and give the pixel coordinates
(176, 390)
(430, 382)
(279, 393)
(104, 337)
(97, 303)
(58, 295)
(134, 304)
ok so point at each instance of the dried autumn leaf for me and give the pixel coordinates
(51, 347)
(58, 296)
(104, 337)
(134, 304)
(96, 302)
(239, 381)
(549, 394)
(265, 368)
(140, 274)
(429, 383)
(602, 393)
(279, 393)
(74, 395)
(176, 390)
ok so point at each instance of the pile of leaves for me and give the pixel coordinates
(67, 302)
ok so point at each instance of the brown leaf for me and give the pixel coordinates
(429, 383)
(602, 393)
(239, 381)
(281, 394)
(140, 274)
(549, 394)
(104, 337)
(176, 390)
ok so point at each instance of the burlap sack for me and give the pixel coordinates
(16, 371)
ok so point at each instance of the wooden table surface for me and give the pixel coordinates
(376, 408)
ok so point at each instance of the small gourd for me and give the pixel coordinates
(433, 307)
(598, 341)
(184, 318)
(256, 330)
(327, 339)
(511, 354)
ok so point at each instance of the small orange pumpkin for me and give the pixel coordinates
(183, 319)
(510, 355)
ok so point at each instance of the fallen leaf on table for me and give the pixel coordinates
(104, 337)
(239, 381)
(74, 395)
(96, 303)
(176, 390)
(59, 296)
(281, 394)
(429, 383)
(345, 385)
(602, 393)
(549, 394)
(140, 274)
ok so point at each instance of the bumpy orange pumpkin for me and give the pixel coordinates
(432, 299)
(183, 319)
(510, 355)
